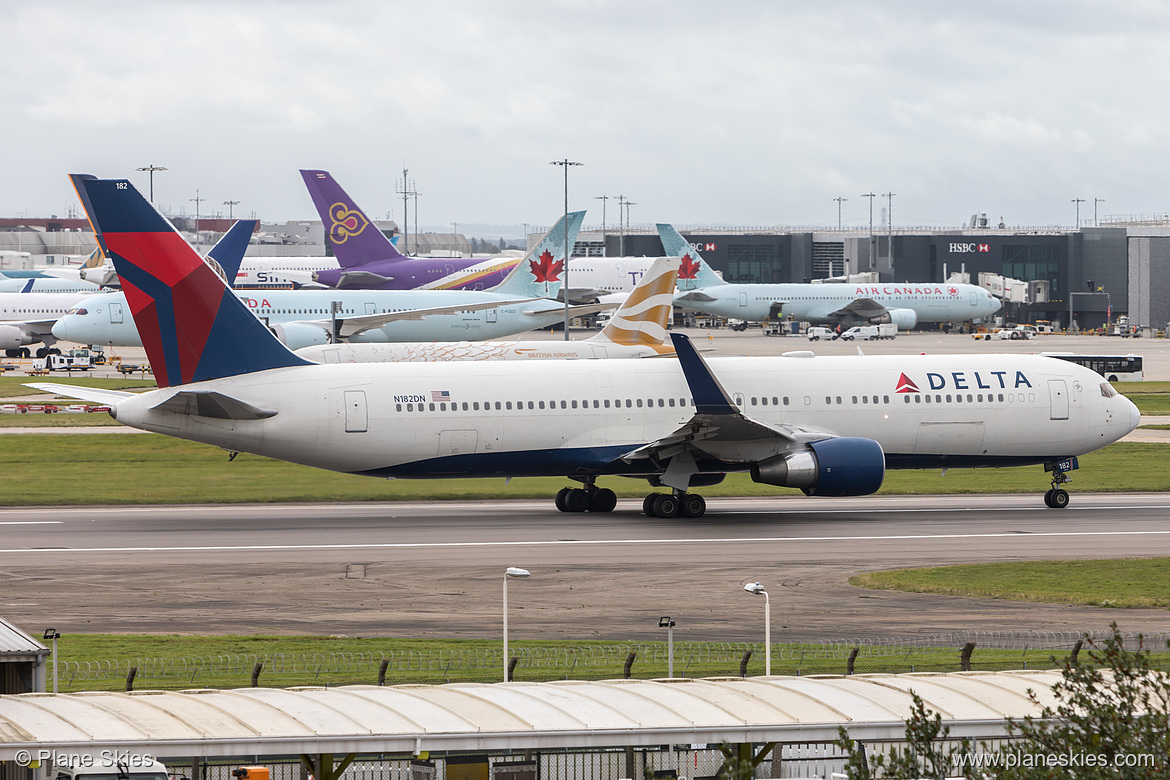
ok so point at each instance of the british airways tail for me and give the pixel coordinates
(644, 316)
(355, 240)
(542, 271)
(193, 327)
(693, 272)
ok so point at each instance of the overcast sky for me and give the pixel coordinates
(739, 113)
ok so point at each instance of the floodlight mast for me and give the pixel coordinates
(511, 571)
(757, 589)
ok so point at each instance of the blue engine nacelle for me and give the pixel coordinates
(905, 319)
(845, 466)
(296, 335)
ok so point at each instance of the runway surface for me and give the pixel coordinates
(435, 569)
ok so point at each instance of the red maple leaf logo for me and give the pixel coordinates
(545, 269)
(953, 290)
(689, 269)
(906, 385)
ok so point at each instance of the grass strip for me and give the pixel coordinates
(1140, 583)
(155, 469)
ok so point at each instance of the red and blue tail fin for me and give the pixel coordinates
(193, 327)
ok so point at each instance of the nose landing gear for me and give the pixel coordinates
(1057, 497)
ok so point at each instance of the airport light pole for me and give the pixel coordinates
(230, 204)
(53, 634)
(839, 200)
(871, 196)
(603, 199)
(668, 624)
(566, 163)
(757, 589)
(1096, 222)
(1078, 202)
(152, 169)
(890, 227)
(511, 571)
(621, 199)
(197, 201)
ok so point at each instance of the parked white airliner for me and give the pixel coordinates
(827, 425)
(903, 303)
(302, 318)
(637, 329)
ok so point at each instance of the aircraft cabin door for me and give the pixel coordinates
(355, 411)
(974, 298)
(115, 314)
(743, 300)
(491, 315)
(1058, 399)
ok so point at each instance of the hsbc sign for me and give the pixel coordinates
(959, 248)
(710, 247)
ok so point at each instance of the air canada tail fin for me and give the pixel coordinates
(643, 318)
(355, 240)
(693, 271)
(193, 327)
(229, 250)
(541, 273)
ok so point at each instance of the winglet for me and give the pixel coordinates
(709, 395)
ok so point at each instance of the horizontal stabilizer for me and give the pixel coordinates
(94, 394)
(697, 296)
(202, 403)
(351, 326)
(362, 279)
(575, 311)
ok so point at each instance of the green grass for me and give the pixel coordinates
(155, 469)
(57, 420)
(102, 661)
(1138, 583)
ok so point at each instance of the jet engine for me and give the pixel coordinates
(905, 319)
(845, 466)
(296, 335)
(12, 337)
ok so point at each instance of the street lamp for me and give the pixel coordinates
(668, 624)
(152, 169)
(839, 200)
(1096, 222)
(872, 251)
(230, 204)
(565, 163)
(197, 200)
(603, 199)
(511, 571)
(757, 589)
(53, 634)
(1078, 201)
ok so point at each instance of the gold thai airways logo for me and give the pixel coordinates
(345, 223)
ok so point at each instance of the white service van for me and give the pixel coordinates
(870, 332)
(104, 767)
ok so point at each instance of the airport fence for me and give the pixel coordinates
(973, 650)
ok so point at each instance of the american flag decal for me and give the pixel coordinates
(440, 395)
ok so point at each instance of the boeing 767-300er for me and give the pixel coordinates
(830, 426)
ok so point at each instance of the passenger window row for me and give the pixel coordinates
(596, 403)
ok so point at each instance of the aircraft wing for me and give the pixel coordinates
(577, 311)
(33, 327)
(94, 394)
(349, 326)
(718, 429)
(361, 279)
(859, 308)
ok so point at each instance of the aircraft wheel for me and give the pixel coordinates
(665, 505)
(576, 500)
(24, 352)
(603, 500)
(560, 499)
(42, 352)
(648, 505)
(1059, 499)
(693, 505)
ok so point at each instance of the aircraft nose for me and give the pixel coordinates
(61, 328)
(1135, 415)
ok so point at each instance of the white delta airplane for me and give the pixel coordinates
(637, 329)
(303, 318)
(903, 303)
(830, 426)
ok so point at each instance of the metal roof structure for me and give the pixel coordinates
(16, 645)
(504, 716)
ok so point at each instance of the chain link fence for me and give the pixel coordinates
(974, 650)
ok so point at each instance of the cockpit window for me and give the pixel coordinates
(1107, 390)
(77, 310)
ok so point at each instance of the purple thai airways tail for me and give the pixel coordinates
(355, 240)
(193, 327)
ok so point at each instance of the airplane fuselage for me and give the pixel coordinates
(107, 321)
(580, 417)
(817, 303)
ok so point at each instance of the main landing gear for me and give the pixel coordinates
(674, 504)
(587, 499)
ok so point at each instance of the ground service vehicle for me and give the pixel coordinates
(870, 332)
(73, 360)
(140, 767)
(817, 333)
